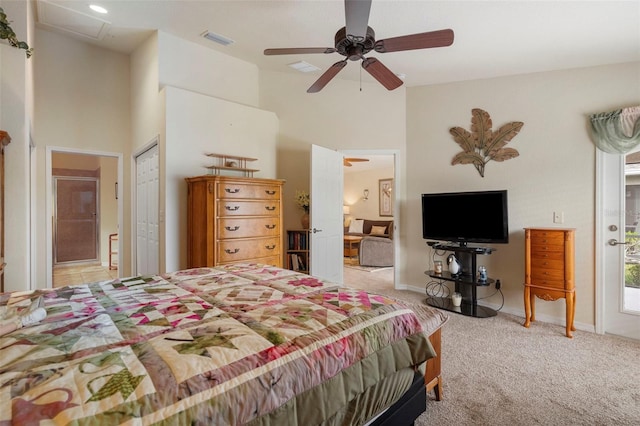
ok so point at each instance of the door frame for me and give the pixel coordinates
(398, 188)
(50, 150)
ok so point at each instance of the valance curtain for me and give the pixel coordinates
(616, 132)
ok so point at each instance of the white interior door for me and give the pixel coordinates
(326, 214)
(147, 223)
(617, 250)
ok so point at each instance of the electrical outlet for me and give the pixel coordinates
(558, 217)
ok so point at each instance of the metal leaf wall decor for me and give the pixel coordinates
(482, 144)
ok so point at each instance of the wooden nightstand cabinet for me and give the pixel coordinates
(549, 270)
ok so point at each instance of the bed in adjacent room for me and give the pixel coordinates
(234, 344)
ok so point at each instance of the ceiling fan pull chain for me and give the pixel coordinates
(361, 79)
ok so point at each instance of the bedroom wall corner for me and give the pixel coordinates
(16, 116)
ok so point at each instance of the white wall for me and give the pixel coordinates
(16, 115)
(195, 125)
(354, 185)
(554, 172)
(193, 67)
(81, 102)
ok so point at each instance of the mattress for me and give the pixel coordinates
(235, 344)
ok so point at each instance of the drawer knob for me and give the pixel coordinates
(232, 208)
(229, 251)
(271, 247)
(270, 226)
(270, 192)
(232, 191)
(231, 228)
(270, 208)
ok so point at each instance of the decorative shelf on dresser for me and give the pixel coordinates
(232, 163)
(234, 219)
(549, 270)
(298, 250)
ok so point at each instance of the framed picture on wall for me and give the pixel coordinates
(385, 187)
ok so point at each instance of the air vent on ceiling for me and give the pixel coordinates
(217, 38)
(303, 66)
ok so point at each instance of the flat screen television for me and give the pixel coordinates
(466, 217)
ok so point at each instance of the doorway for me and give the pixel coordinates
(84, 202)
(362, 200)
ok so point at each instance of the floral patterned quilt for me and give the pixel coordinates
(223, 345)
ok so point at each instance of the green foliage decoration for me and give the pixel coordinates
(482, 144)
(7, 33)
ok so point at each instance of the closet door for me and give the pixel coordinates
(147, 222)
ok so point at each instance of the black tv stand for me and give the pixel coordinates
(466, 281)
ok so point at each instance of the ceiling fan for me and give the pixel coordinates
(357, 39)
(347, 161)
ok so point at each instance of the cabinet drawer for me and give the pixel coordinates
(244, 228)
(236, 250)
(248, 208)
(547, 237)
(541, 253)
(547, 263)
(257, 192)
(547, 274)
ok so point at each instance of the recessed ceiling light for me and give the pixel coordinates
(303, 66)
(98, 9)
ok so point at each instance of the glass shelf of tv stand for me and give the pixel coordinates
(466, 285)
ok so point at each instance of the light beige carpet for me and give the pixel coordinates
(496, 372)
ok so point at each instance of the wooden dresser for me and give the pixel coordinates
(549, 270)
(234, 219)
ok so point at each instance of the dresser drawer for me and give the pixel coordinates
(254, 192)
(547, 252)
(252, 227)
(248, 208)
(237, 250)
(269, 261)
(547, 274)
(547, 237)
(547, 263)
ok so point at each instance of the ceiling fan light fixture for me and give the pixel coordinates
(217, 38)
(303, 66)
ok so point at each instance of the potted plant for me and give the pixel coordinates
(7, 33)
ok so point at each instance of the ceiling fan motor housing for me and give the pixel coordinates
(354, 47)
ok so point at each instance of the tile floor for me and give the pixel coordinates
(80, 273)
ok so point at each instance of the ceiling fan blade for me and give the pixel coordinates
(327, 76)
(355, 160)
(381, 73)
(346, 163)
(299, 50)
(439, 38)
(357, 18)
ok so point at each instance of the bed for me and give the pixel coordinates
(235, 344)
